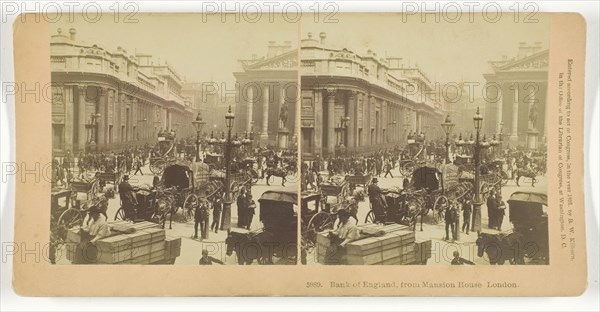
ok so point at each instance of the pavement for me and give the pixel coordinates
(442, 251)
(191, 249)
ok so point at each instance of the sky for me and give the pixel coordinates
(447, 52)
(198, 50)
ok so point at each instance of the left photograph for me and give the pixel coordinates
(174, 141)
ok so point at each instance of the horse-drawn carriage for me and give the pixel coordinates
(69, 207)
(277, 237)
(214, 161)
(335, 186)
(426, 192)
(363, 180)
(528, 237)
(180, 187)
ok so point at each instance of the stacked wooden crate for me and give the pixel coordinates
(396, 245)
(422, 251)
(140, 243)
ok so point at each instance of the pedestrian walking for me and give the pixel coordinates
(201, 217)
(467, 208)
(450, 218)
(388, 169)
(491, 209)
(241, 209)
(217, 208)
(250, 210)
(138, 166)
(500, 212)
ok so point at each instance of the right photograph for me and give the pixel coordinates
(423, 142)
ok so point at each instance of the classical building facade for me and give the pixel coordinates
(516, 96)
(266, 89)
(106, 100)
(358, 102)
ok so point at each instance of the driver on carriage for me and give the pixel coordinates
(376, 198)
(127, 195)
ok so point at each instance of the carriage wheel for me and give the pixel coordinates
(157, 166)
(407, 169)
(370, 217)
(69, 219)
(318, 223)
(120, 215)
(189, 206)
(438, 209)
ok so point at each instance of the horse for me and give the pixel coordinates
(414, 208)
(249, 247)
(527, 173)
(277, 172)
(501, 247)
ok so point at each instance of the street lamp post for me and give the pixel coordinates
(228, 144)
(447, 125)
(198, 124)
(478, 146)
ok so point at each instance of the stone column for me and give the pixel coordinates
(69, 118)
(318, 126)
(264, 136)
(499, 107)
(352, 129)
(330, 102)
(102, 121)
(81, 119)
(514, 135)
(133, 120)
(532, 131)
(250, 108)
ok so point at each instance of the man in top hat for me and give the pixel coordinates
(376, 198)
(127, 195)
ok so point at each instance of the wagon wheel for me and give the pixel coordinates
(157, 166)
(120, 215)
(406, 169)
(69, 219)
(370, 217)
(438, 209)
(189, 206)
(318, 223)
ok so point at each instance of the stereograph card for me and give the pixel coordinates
(415, 156)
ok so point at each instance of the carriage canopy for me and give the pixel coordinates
(178, 174)
(426, 178)
(526, 207)
(277, 207)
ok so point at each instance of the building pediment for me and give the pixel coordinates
(288, 60)
(535, 62)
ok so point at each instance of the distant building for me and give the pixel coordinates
(380, 100)
(265, 85)
(521, 105)
(105, 100)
